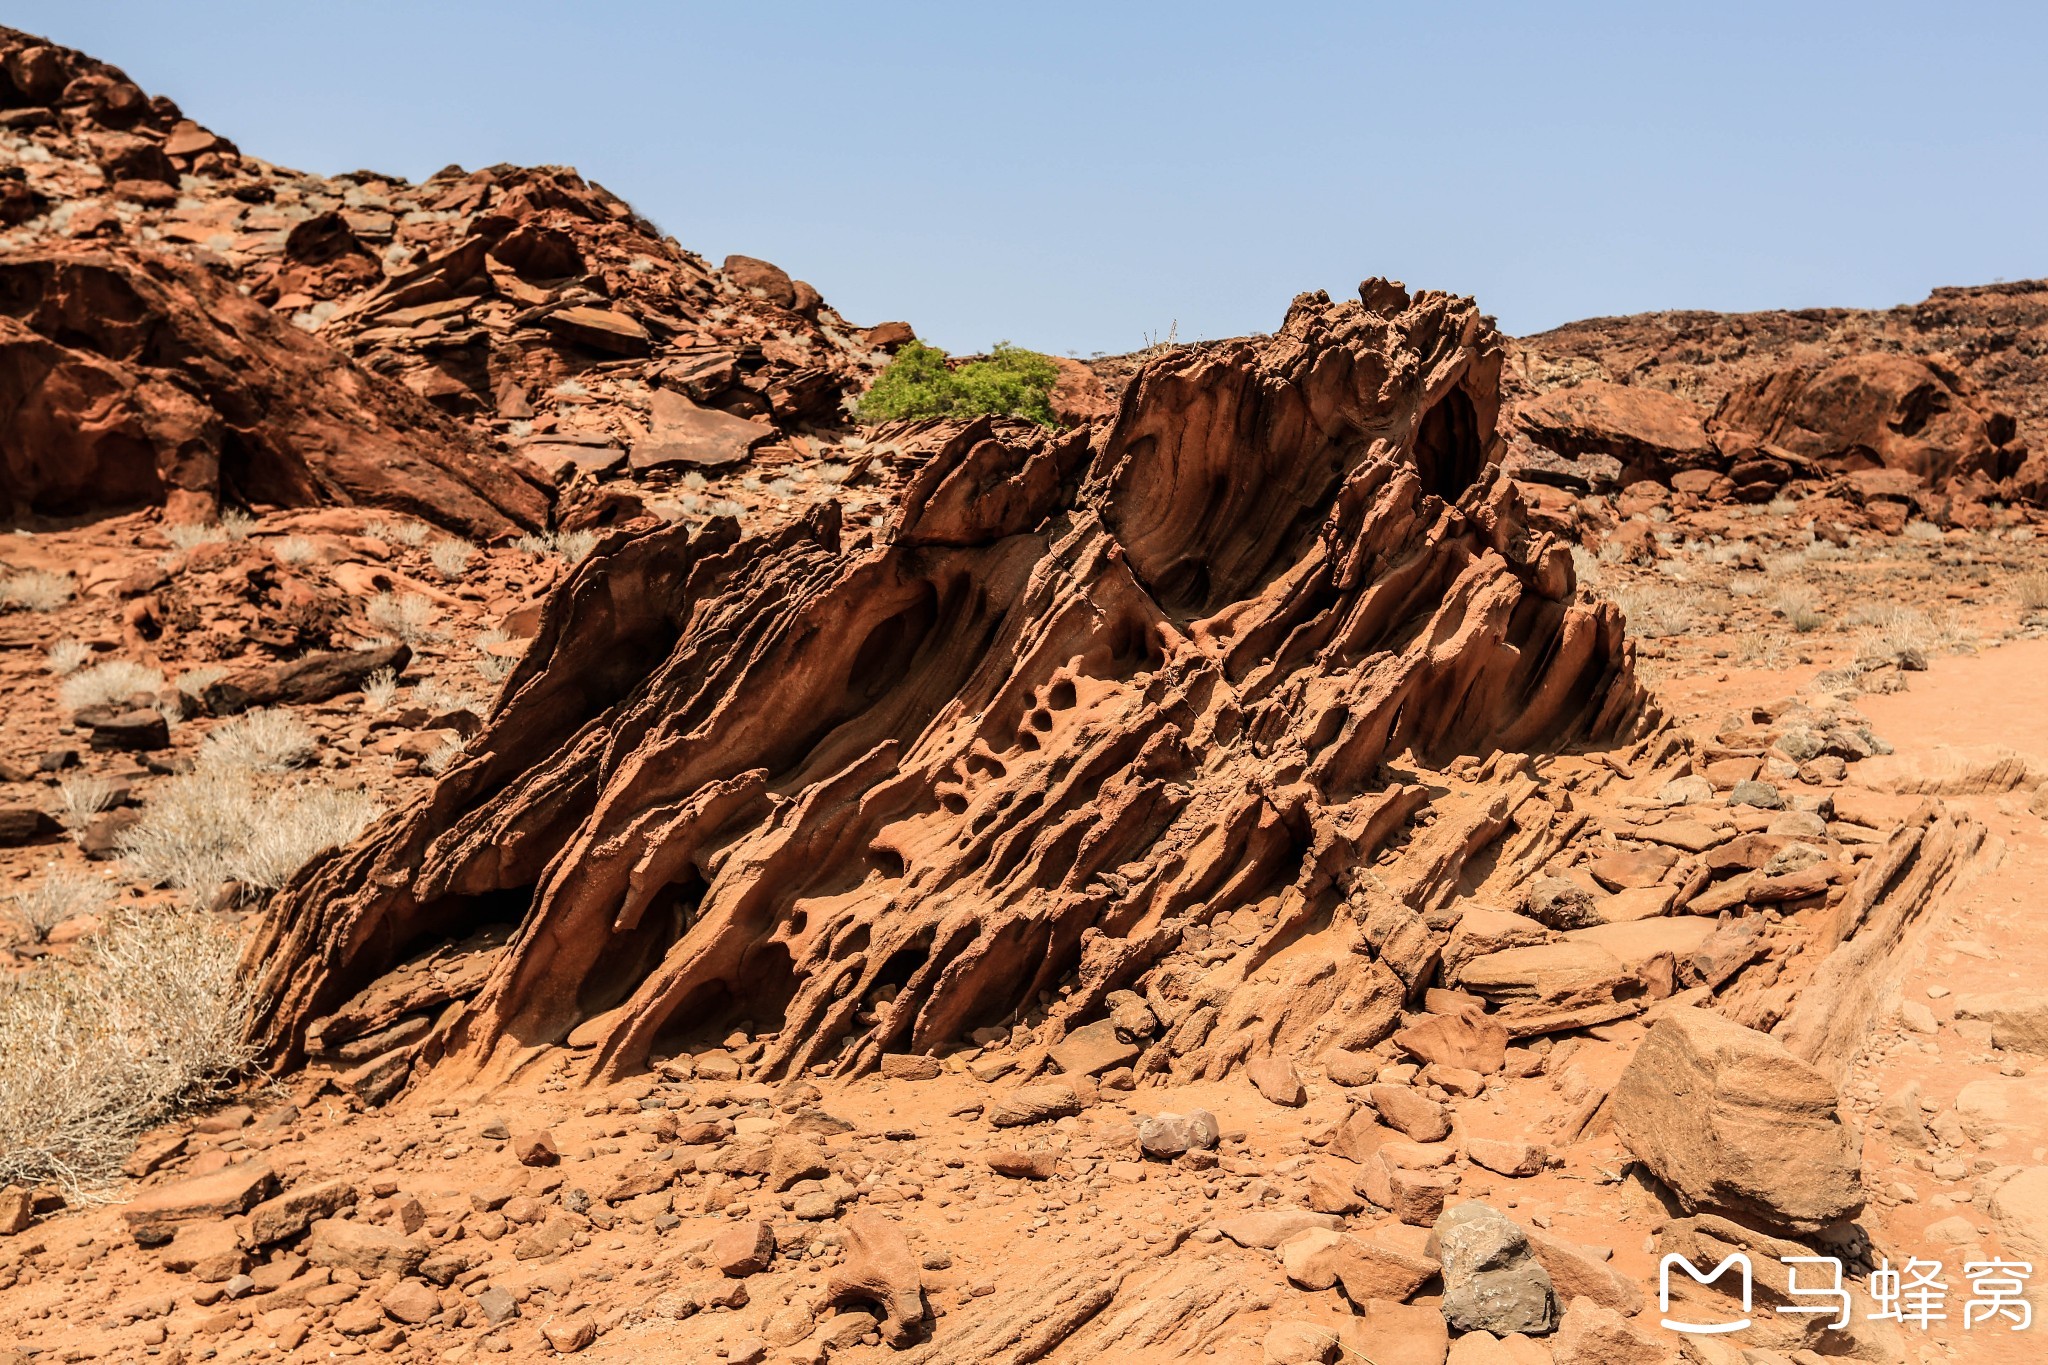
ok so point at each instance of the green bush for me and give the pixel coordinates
(1011, 382)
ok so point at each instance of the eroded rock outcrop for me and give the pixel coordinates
(133, 381)
(1079, 700)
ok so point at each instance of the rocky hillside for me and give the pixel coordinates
(1945, 399)
(181, 322)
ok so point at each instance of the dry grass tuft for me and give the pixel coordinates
(35, 590)
(451, 557)
(263, 741)
(1653, 612)
(380, 690)
(193, 682)
(570, 545)
(1800, 612)
(397, 532)
(404, 616)
(293, 550)
(84, 795)
(218, 825)
(117, 680)
(443, 758)
(493, 666)
(2032, 590)
(147, 1024)
(63, 893)
(66, 657)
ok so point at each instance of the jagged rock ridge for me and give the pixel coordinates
(1082, 699)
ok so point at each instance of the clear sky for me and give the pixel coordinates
(1082, 177)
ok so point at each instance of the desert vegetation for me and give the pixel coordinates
(921, 382)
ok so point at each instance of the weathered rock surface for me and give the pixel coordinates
(1491, 1281)
(129, 382)
(880, 1268)
(1296, 545)
(1735, 1124)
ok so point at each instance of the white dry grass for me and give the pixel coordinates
(261, 741)
(408, 533)
(451, 557)
(66, 657)
(404, 616)
(188, 535)
(61, 893)
(116, 680)
(193, 682)
(380, 690)
(149, 1022)
(492, 665)
(443, 758)
(1800, 611)
(294, 550)
(220, 824)
(84, 795)
(1887, 632)
(35, 590)
(570, 545)
(1653, 612)
(440, 697)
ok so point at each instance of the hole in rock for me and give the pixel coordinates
(886, 654)
(630, 957)
(1447, 450)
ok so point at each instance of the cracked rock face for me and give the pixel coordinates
(1082, 699)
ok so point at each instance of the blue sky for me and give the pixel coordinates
(1081, 177)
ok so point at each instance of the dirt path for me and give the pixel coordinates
(1933, 1189)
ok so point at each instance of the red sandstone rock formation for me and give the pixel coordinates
(132, 381)
(1080, 700)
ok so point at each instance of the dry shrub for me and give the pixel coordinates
(187, 535)
(404, 616)
(444, 756)
(397, 532)
(219, 824)
(380, 690)
(1800, 612)
(569, 545)
(262, 741)
(1887, 632)
(85, 795)
(147, 1023)
(294, 550)
(493, 666)
(451, 557)
(2032, 590)
(66, 657)
(63, 893)
(35, 590)
(117, 680)
(1653, 612)
(193, 682)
